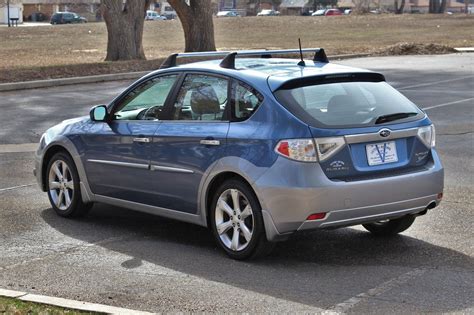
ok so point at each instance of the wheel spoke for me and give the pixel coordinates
(70, 184)
(54, 185)
(246, 232)
(224, 227)
(235, 200)
(223, 206)
(235, 240)
(246, 212)
(68, 198)
(57, 171)
(64, 168)
(60, 198)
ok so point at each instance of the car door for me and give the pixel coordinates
(117, 153)
(190, 139)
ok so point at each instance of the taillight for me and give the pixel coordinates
(310, 150)
(427, 135)
(327, 147)
(297, 149)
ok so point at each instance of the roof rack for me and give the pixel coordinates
(228, 61)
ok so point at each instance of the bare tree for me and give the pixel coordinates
(125, 20)
(437, 6)
(399, 9)
(198, 26)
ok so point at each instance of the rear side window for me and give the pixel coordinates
(346, 104)
(246, 100)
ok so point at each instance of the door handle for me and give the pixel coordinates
(210, 142)
(142, 140)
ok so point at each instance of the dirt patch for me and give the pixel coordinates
(415, 49)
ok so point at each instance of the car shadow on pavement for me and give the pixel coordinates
(320, 268)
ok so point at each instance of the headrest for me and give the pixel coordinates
(339, 103)
(204, 100)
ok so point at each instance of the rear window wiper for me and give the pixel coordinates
(391, 117)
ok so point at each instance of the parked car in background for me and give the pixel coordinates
(227, 14)
(319, 12)
(347, 11)
(268, 13)
(331, 12)
(67, 18)
(154, 16)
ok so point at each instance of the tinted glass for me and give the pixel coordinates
(201, 97)
(346, 104)
(246, 101)
(147, 100)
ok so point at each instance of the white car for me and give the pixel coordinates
(154, 16)
(227, 14)
(268, 13)
(319, 12)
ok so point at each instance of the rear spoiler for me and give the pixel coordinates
(329, 78)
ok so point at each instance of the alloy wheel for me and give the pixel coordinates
(61, 185)
(234, 219)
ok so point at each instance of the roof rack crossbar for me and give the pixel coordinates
(229, 56)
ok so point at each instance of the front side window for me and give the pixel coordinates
(201, 97)
(146, 101)
(348, 104)
(246, 101)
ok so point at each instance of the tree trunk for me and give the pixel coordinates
(399, 10)
(125, 22)
(442, 6)
(198, 26)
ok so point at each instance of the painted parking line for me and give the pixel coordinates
(434, 83)
(72, 304)
(18, 148)
(16, 187)
(347, 305)
(450, 103)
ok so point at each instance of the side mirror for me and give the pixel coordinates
(98, 113)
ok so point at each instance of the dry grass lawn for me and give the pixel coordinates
(28, 53)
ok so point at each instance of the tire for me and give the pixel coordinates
(240, 237)
(390, 227)
(63, 188)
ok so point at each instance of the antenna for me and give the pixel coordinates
(301, 63)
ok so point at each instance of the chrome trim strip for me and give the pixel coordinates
(372, 137)
(210, 142)
(125, 164)
(142, 140)
(170, 169)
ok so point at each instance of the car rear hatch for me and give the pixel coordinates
(362, 127)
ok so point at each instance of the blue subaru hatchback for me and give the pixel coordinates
(254, 148)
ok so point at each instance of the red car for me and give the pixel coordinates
(332, 12)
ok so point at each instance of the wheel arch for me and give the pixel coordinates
(218, 180)
(48, 154)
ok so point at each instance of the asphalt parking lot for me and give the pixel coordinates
(121, 258)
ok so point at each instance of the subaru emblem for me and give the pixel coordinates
(384, 133)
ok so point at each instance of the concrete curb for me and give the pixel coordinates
(464, 49)
(4, 87)
(72, 304)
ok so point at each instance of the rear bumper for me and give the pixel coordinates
(291, 191)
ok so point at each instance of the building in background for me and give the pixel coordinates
(16, 12)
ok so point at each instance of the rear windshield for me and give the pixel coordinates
(348, 104)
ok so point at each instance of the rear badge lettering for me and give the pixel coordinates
(337, 166)
(420, 156)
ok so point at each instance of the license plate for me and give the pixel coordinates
(381, 153)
